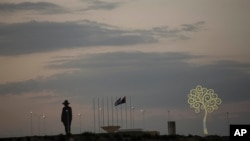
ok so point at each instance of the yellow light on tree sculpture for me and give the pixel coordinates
(205, 99)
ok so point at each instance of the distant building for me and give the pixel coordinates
(110, 129)
(171, 128)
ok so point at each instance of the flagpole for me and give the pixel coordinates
(112, 112)
(121, 116)
(102, 111)
(130, 116)
(94, 112)
(126, 120)
(116, 114)
(98, 113)
(108, 110)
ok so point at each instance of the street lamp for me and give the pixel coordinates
(133, 116)
(80, 120)
(228, 124)
(38, 120)
(31, 126)
(143, 119)
(101, 117)
(44, 126)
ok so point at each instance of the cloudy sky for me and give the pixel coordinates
(152, 51)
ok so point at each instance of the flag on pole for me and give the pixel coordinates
(123, 100)
(120, 101)
(117, 101)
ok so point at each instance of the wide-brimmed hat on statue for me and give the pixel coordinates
(66, 102)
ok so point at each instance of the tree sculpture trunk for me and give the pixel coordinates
(204, 123)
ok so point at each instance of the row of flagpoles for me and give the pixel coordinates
(112, 113)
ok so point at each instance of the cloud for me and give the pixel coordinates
(33, 37)
(158, 79)
(100, 5)
(193, 27)
(167, 32)
(36, 37)
(42, 7)
(52, 8)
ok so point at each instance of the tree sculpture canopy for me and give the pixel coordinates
(205, 99)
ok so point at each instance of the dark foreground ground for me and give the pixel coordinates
(117, 137)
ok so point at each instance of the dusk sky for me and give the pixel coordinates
(154, 51)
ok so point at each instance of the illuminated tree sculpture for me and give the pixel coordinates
(205, 99)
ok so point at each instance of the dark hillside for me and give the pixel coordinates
(117, 137)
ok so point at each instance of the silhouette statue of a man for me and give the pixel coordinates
(66, 116)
